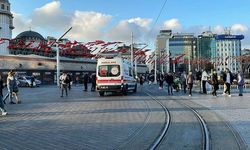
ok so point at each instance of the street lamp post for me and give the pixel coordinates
(155, 81)
(58, 58)
(132, 54)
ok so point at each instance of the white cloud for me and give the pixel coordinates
(20, 24)
(89, 25)
(122, 30)
(173, 24)
(50, 16)
(143, 22)
(218, 29)
(239, 28)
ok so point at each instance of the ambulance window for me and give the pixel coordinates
(109, 71)
(103, 70)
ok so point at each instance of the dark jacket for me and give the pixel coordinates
(86, 78)
(214, 79)
(1, 88)
(169, 79)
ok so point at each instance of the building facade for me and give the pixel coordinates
(206, 49)
(162, 50)
(228, 47)
(185, 45)
(6, 26)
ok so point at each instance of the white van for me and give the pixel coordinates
(114, 74)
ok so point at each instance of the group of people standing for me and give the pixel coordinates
(173, 81)
(227, 78)
(12, 88)
(203, 78)
(66, 82)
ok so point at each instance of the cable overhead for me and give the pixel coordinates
(158, 15)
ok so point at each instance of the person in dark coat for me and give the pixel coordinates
(93, 81)
(2, 109)
(141, 80)
(32, 81)
(170, 82)
(85, 81)
(228, 79)
(215, 83)
(69, 80)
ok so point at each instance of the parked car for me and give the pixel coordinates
(26, 81)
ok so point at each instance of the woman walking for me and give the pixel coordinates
(241, 83)
(190, 82)
(215, 83)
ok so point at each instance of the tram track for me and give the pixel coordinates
(238, 141)
(205, 142)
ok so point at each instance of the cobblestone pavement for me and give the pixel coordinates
(83, 120)
(235, 110)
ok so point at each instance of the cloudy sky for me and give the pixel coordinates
(114, 20)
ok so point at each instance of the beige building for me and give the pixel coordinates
(162, 50)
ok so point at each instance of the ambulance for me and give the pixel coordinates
(114, 74)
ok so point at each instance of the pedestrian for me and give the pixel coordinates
(12, 88)
(161, 80)
(198, 77)
(215, 83)
(69, 80)
(228, 79)
(141, 80)
(170, 81)
(184, 81)
(64, 84)
(151, 79)
(32, 80)
(190, 81)
(2, 109)
(241, 82)
(77, 80)
(93, 81)
(204, 77)
(85, 81)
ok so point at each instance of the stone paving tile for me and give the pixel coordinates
(235, 110)
(79, 121)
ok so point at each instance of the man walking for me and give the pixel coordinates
(204, 81)
(184, 81)
(228, 79)
(93, 81)
(85, 81)
(64, 84)
(215, 83)
(190, 82)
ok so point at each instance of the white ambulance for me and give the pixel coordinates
(114, 74)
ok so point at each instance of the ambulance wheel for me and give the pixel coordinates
(124, 90)
(101, 93)
(135, 90)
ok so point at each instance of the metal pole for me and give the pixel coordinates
(57, 66)
(132, 54)
(58, 58)
(189, 61)
(155, 68)
(174, 66)
(135, 66)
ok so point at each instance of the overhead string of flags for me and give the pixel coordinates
(89, 49)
